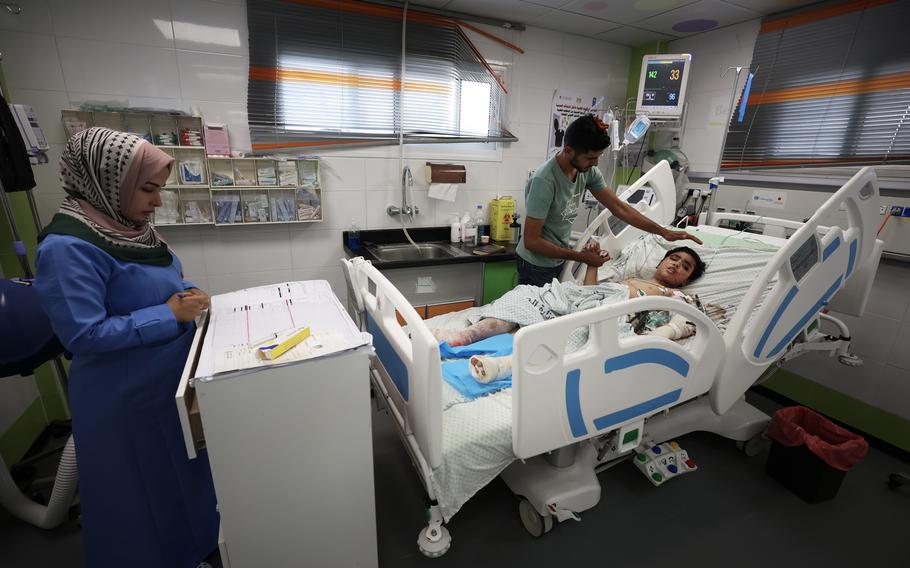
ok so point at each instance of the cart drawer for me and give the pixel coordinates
(187, 403)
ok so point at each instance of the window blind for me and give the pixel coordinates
(831, 87)
(328, 72)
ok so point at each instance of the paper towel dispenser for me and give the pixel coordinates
(446, 173)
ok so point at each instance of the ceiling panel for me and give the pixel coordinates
(623, 12)
(547, 3)
(770, 6)
(574, 23)
(699, 17)
(633, 37)
(508, 10)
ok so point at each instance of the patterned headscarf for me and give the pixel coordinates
(101, 170)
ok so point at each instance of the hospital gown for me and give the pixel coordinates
(144, 503)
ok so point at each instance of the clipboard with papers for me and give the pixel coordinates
(293, 321)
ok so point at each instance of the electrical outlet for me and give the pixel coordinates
(897, 210)
(881, 210)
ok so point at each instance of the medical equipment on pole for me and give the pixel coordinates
(18, 154)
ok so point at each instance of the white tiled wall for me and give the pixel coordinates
(708, 93)
(882, 336)
(192, 53)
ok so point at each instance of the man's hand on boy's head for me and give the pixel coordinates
(669, 235)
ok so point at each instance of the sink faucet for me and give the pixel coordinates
(407, 180)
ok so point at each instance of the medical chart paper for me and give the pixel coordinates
(242, 321)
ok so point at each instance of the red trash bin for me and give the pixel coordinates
(810, 455)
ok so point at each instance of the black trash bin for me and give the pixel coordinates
(810, 455)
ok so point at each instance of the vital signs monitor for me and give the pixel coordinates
(662, 86)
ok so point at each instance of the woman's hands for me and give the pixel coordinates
(186, 305)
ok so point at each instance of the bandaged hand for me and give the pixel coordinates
(488, 369)
(677, 328)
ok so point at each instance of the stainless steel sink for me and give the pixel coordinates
(423, 251)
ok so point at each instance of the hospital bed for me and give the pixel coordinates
(571, 413)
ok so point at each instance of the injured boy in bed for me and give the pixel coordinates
(527, 305)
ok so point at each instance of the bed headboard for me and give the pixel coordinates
(816, 263)
(560, 398)
(617, 234)
(410, 364)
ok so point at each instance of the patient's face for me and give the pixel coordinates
(675, 270)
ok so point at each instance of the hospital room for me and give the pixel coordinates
(385, 283)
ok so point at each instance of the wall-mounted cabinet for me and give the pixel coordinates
(161, 129)
(214, 190)
(265, 190)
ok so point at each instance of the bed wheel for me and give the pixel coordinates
(850, 360)
(433, 542)
(535, 523)
(753, 446)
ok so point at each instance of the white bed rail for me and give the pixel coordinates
(560, 398)
(409, 361)
(661, 211)
(772, 226)
(813, 266)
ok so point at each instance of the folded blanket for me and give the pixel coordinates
(457, 371)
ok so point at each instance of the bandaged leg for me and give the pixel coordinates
(487, 327)
(677, 328)
(488, 369)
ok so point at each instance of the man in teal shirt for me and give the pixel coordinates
(552, 196)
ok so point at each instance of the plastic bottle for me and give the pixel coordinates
(468, 230)
(479, 222)
(354, 237)
(455, 233)
(515, 226)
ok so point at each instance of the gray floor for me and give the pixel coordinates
(727, 513)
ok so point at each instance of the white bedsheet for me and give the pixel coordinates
(477, 435)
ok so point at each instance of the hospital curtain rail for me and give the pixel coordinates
(832, 88)
(328, 72)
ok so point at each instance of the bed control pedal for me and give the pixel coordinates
(663, 461)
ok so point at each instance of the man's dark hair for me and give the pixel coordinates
(699, 267)
(585, 135)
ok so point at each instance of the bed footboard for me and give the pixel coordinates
(408, 363)
(560, 398)
(816, 263)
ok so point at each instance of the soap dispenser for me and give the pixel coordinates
(354, 236)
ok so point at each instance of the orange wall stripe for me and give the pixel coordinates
(821, 14)
(344, 79)
(833, 89)
(807, 161)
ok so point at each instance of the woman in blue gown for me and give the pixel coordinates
(117, 300)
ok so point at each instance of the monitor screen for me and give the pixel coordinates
(663, 82)
(662, 85)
